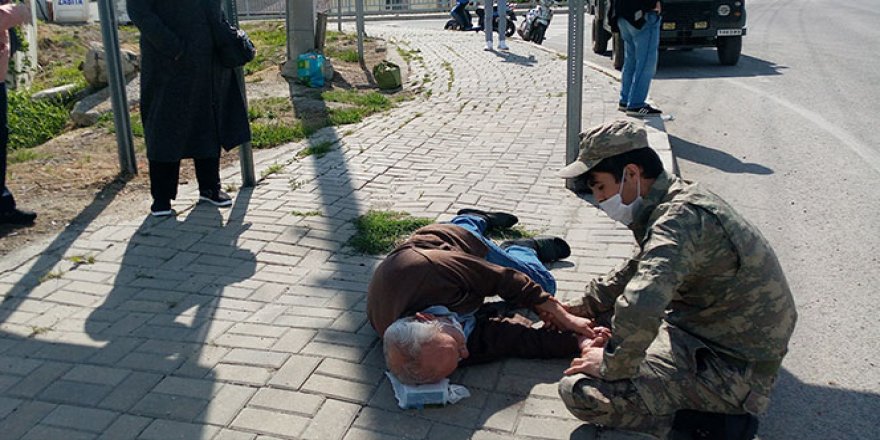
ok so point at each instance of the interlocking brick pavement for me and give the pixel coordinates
(250, 322)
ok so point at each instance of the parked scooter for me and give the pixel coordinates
(511, 18)
(534, 26)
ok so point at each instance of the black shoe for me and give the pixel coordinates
(216, 198)
(494, 219)
(643, 111)
(706, 425)
(17, 217)
(621, 107)
(548, 247)
(161, 208)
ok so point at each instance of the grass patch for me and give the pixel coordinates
(270, 39)
(32, 123)
(314, 213)
(377, 232)
(22, 155)
(134, 120)
(82, 259)
(55, 274)
(342, 54)
(318, 150)
(275, 168)
(371, 100)
(269, 108)
(36, 331)
(409, 55)
(272, 134)
(448, 66)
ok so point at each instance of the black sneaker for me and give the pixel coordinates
(161, 208)
(621, 107)
(216, 198)
(493, 219)
(643, 111)
(548, 247)
(17, 217)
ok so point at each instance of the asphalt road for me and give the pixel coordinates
(789, 137)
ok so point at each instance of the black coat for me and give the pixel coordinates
(190, 104)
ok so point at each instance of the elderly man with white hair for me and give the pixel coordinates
(426, 299)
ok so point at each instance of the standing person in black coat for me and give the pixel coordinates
(191, 105)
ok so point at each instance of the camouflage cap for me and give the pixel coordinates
(603, 141)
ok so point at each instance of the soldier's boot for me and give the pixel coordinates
(699, 425)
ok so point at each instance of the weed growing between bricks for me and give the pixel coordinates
(378, 232)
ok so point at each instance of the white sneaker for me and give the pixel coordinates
(502, 46)
(488, 46)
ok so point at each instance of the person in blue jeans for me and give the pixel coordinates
(638, 22)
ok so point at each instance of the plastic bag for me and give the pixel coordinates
(310, 69)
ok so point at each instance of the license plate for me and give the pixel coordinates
(729, 32)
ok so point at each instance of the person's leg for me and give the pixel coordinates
(520, 258)
(208, 176)
(646, 42)
(7, 202)
(615, 404)
(629, 60)
(163, 184)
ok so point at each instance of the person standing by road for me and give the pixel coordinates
(700, 318)
(191, 105)
(638, 22)
(11, 15)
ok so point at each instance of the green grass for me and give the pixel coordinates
(371, 100)
(134, 119)
(269, 108)
(275, 168)
(272, 134)
(314, 213)
(51, 276)
(377, 232)
(318, 150)
(510, 233)
(57, 74)
(82, 259)
(23, 155)
(271, 44)
(32, 123)
(347, 55)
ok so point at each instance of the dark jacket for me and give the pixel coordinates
(190, 104)
(632, 11)
(445, 265)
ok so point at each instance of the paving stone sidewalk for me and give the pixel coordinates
(249, 322)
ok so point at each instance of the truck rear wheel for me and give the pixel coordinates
(617, 51)
(600, 36)
(729, 49)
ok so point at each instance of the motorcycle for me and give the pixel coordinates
(534, 26)
(511, 18)
(461, 17)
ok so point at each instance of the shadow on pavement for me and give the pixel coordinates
(147, 349)
(510, 57)
(711, 157)
(703, 63)
(52, 254)
(806, 411)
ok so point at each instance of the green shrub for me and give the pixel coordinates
(33, 122)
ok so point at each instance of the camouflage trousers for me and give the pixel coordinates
(679, 372)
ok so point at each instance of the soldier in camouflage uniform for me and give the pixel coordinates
(700, 318)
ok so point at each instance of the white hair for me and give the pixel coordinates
(406, 336)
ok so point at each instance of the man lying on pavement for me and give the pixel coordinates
(426, 299)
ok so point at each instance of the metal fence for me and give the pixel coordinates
(265, 9)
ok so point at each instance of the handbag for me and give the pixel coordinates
(233, 46)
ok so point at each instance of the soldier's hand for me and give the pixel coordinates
(588, 363)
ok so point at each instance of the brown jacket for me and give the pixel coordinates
(445, 265)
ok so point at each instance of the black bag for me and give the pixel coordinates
(234, 47)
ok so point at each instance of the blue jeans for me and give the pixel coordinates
(639, 59)
(521, 258)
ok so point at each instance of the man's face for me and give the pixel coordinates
(604, 186)
(440, 357)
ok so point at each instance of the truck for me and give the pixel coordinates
(685, 24)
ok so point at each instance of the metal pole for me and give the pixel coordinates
(575, 83)
(339, 16)
(487, 22)
(359, 12)
(245, 153)
(116, 81)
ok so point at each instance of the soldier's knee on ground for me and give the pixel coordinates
(583, 398)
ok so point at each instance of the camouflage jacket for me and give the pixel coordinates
(701, 267)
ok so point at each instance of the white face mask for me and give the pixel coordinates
(614, 207)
